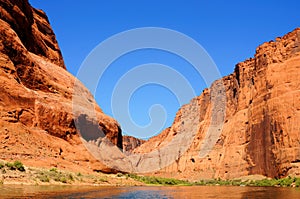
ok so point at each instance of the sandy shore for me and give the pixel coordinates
(41, 176)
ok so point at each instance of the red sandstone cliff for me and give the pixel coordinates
(130, 143)
(261, 131)
(37, 124)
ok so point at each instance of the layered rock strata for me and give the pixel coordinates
(261, 130)
(37, 121)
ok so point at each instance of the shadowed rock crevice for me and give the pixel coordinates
(260, 149)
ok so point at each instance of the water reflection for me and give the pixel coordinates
(147, 192)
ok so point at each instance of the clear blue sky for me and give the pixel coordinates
(229, 30)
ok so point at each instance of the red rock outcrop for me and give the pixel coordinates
(37, 123)
(261, 131)
(130, 143)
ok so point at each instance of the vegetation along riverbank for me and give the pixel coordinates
(16, 173)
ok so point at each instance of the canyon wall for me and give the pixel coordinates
(261, 125)
(130, 143)
(37, 123)
(261, 130)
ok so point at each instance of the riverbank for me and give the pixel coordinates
(15, 173)
(245, 181)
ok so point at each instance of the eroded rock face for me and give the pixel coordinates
(261, 131)
(37, 123)
(130, 143)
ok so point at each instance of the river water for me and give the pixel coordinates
(12, 191)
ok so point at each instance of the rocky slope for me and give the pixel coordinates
(261, 129)
(37, 123)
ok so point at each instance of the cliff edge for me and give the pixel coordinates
(37, 123)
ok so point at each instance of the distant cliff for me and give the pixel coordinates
(130, 143)
(261, 132)
(37, 124)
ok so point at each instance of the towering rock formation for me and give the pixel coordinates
(261, 131)
(37, 123)
(260, 135)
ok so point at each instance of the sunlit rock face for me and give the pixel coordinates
(37, 120)
(261, 130)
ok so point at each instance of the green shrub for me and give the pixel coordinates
(43, 178)
(286, 182)
(1, 165)
(104, 179)
(19, 165)
(71, 177)
(283, 182)
(297, 182)
(158, 180)
(55, 178)
(10, 166)
(63, 180)
(263, 183)
(53, 169)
